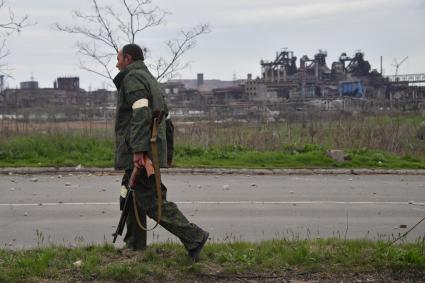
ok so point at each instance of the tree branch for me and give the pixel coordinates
(107, 28)
(177, 48)
(7, 28)
(3, 53)
(101, 59)
(103, 34)
(13, 24)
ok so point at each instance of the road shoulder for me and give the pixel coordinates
(215, 171)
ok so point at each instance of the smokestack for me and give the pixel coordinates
(200, 80)
(1, 83)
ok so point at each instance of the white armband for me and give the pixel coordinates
(140, 103)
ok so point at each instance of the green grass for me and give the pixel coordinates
(309, 156)
(56, 150)
(168, 262)
(72, 150)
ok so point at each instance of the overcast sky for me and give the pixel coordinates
(242, 33)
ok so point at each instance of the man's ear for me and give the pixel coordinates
(129, 58)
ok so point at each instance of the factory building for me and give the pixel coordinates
(283, 79)
(29, 85)
(67, 83)
(66, 98)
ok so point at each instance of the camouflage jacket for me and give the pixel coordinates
(139, 96)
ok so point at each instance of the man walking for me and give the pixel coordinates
(139, 101)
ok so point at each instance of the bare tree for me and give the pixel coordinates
(107, 28)
(8, 27)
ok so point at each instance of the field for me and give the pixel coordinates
(373, 141)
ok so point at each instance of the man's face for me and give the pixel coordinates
(123, 61)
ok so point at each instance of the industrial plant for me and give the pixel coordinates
(286, 84)
(308, 84)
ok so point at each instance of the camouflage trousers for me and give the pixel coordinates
(172, 219)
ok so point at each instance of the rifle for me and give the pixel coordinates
(129, 199)
(127, 204)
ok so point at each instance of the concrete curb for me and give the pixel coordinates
(213, 171)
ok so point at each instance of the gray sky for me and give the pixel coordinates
(243, 33)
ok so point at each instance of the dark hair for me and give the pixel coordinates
(134, 51)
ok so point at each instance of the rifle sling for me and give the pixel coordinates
(155, 161)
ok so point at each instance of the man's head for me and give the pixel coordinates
(128, 54)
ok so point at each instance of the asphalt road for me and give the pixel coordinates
(83, 209)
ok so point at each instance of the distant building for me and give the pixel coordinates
(352, 89)
(102, 97)
(207, 85)
(67, 83)
(66, 101)
(173, 88)
(224, 95)
(29, 85)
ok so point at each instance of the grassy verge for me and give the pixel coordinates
(309, 156)
(69, 150)
(330, 258)
(56, 150)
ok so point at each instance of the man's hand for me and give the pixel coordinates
(139, 159)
